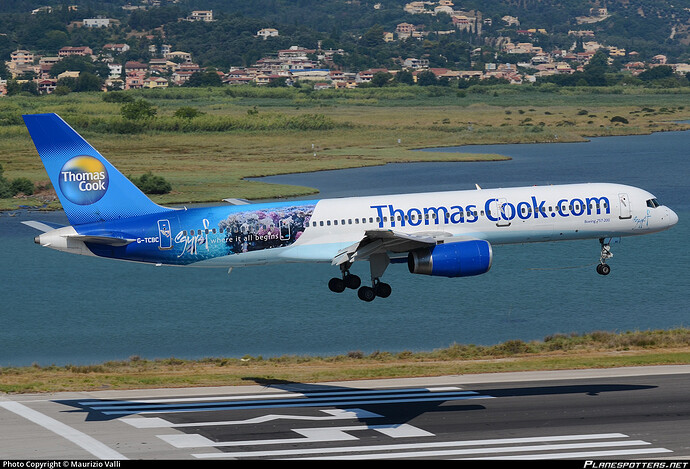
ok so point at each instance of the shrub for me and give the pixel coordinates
(139, 109)
(22, 185)
(150, 184)
(187, 112)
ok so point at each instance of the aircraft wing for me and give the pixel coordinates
(385, 241)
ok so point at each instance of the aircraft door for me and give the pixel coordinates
(499, 210)
(624, 203)
(164, 235)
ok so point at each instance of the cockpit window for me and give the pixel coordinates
(653, 203)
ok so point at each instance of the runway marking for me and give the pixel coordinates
(333, 414)
(493, 451)
(93, 446)
(309, 435)
(459, 448)
(583, 454)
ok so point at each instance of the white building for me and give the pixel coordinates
(96, 22)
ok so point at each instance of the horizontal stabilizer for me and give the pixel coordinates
(42, 225)
(236, 201)
(106, 240)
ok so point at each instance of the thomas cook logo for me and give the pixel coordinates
(83, 180)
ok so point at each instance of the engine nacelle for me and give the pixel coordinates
(461, 259)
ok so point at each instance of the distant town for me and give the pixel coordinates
(316, 67)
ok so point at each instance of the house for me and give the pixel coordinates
(201, 15)
(415, 63)
(178, 56)
(295, 52)
(416, 8)
(96, 22)
(46, 86)
(237, 77)
(134, 66)
(161, 65)
(155, 82)
(21, 57)
(117, 48)
(68, 74)
(81, 51)
(265, 33)
(365, 76)
(134, 80)
(404, 30)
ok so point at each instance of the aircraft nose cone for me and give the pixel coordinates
(672, 217)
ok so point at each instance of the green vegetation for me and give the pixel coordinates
(20, 185)
(149, 183)
(207, 142)
(572, 351)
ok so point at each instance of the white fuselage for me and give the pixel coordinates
(499, 216)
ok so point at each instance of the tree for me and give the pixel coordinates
(426, 78)
(209, 77)
(405, 77)
(139, 109)
(381, 79)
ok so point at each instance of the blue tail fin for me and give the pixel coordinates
(89, 187)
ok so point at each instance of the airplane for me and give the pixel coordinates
(447, 234)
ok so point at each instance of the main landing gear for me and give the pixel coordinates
(603, 268)
(365, 293)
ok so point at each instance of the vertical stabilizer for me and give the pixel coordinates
(89, 187)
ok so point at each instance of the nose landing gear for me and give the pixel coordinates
(603, 268)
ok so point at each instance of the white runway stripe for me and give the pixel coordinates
(397, 450)
(89, 444)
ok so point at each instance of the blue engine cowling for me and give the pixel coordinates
(461, 259)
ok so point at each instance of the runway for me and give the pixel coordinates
(625, 413)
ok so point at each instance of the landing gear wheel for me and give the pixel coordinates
(366, 294)
(336, 285)
(352, 281)
(603, 269)
(382, 290)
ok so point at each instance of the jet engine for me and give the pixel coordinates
(461, 259)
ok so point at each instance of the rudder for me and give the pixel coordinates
(90, 189)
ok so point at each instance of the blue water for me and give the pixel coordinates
(58, 308)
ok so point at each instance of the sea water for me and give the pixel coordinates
(57, 308)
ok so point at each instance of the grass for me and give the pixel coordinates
(594, 350)
(248, 132)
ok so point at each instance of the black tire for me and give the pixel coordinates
(366, 294)
(383, 290)
(605, 269)
(336, 285)
(352, 281)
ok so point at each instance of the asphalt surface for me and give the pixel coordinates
(620, 414)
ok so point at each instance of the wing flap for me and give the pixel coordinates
(384, 241)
